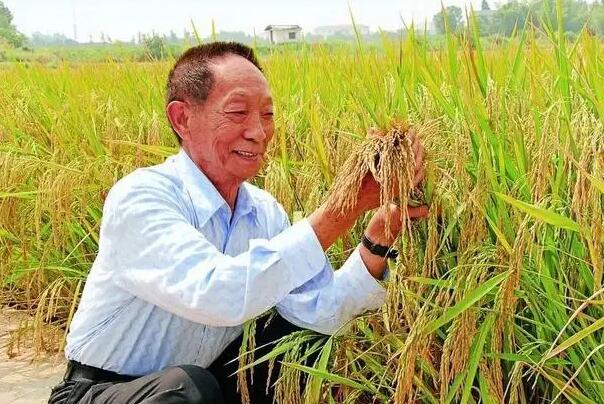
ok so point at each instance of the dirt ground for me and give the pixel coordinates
(25, 378)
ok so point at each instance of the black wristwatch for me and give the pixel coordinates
(377, 249)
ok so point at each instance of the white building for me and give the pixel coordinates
(341, 30)
(283, 33)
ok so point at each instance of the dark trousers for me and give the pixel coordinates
(179, 384)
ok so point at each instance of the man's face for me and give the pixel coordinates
(230, 131)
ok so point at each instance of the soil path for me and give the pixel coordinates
(24, 380)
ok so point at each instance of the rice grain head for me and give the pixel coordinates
(387, 155)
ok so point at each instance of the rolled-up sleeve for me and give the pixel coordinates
(154, 253)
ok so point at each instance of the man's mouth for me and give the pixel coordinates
(247, 155)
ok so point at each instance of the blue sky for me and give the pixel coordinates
(122, 19)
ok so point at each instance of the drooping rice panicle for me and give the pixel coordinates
(388, 157)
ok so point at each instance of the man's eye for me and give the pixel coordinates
(237, 112)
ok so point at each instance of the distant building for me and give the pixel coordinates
(283, 33)
(341, 30)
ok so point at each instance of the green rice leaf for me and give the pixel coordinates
(471, 298)
(330, 376)
(577, 337)
(19, 195)
(547, 216)
(476, 355)
(5, 234)
(314, 387)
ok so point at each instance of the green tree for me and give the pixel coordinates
(507, 17)
(155, 47)
(575, 14)
(454, 20)
(8, 32)
(597, 19)
(39, 39)
(6, 17)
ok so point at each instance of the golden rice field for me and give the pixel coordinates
(496, 297)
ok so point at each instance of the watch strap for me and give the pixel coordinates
(378, 249)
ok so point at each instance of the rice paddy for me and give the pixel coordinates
(496, 297)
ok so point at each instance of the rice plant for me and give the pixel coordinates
(495, 297)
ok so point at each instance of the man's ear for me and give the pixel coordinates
(178, 114)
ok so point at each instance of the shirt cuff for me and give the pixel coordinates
(301, 250)
(368, 290)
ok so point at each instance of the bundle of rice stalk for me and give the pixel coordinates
(386, 154)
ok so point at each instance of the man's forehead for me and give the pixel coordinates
(237, 77)
(231, 65)
(240, 93)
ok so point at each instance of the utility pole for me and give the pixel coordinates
(75, 25)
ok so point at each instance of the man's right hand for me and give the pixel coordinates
(329, 226)
(369, 193)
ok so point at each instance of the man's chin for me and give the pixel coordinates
(245, 174)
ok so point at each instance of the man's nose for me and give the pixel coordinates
(255, 130)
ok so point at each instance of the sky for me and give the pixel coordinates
(123, 19)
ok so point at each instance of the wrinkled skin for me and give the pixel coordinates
(236, 118)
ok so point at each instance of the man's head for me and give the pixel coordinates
(220, 107)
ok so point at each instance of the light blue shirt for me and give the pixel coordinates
(177, 274)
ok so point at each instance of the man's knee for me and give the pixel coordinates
(197, 384)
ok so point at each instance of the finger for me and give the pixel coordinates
(419, 175)
(417, 212)
(412, 135)
(395, 212)
(396, 217)
(420, 154)
(413, 140)
(418, 149)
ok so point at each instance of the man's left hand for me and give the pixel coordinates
(377, 232)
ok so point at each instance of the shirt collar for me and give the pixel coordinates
(206, 199)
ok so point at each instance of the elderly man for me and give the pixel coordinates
(189, 251)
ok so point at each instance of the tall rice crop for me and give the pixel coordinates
(496, 296)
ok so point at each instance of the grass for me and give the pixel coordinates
(497, 295)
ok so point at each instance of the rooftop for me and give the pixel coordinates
(273, 27)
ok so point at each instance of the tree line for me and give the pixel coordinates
(514, 14)
(8, 32)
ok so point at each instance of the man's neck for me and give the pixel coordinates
(228, 192)
(228, 188)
